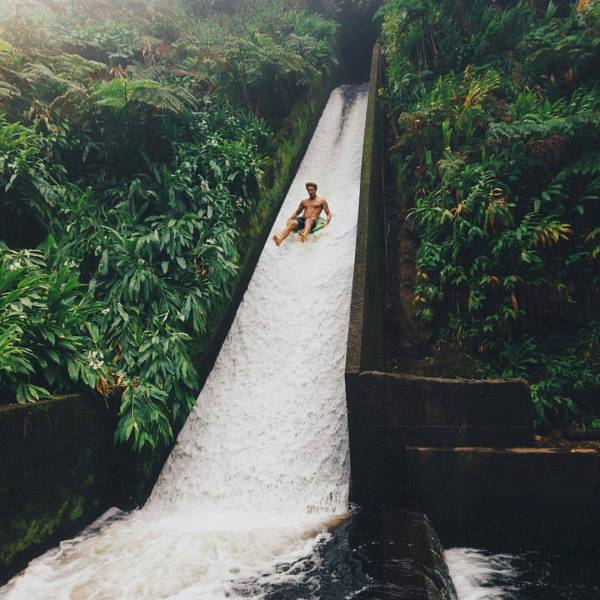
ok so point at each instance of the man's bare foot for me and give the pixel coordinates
(302, 236)
(277, 241)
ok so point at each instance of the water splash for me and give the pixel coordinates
(262, 462)
(478, 575)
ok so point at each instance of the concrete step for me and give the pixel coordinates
(429, 411)
(508, 497)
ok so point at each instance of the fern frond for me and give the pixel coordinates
(46, 83)
(8, 91)
(160, 96)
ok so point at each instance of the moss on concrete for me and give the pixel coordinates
(508, 498)
(55, 473)
(365, 334)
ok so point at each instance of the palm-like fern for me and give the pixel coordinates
(120, 93)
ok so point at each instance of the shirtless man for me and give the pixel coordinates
(312, 208)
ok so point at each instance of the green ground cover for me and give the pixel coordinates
(495, 110)
(134, 143)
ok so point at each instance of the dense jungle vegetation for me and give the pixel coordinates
(133, 142)
(495, 109)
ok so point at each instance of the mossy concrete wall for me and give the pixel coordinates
(59, 468)
(56, 473)
(365, 333)
(507, 498)
(389, 411)
(399, 549)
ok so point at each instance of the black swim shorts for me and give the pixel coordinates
(302, 223)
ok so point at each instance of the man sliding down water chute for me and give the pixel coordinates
(309, 222)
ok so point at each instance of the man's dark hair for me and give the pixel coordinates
(309, 183)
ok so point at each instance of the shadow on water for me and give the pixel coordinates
(349, 93)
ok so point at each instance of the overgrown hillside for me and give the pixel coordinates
(133, 143)
(495, 108)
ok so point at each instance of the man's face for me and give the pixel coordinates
(312, 190)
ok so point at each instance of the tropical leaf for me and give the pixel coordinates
(120, 93)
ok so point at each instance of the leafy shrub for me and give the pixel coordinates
(48, 340)
(132, 148)
(496, 113)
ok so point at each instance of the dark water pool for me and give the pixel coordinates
(535, 575)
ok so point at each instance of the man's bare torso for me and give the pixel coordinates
(313, 207)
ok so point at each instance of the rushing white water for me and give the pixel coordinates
(478, 575)
(262, 462)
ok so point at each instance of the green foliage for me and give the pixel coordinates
(496, 112)
(119, 94)
(29, 178)
(133, 145)
(160, 250)
(566, 372)
(259, 56)
(48, 339)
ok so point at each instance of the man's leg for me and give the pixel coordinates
(292, 224)
(307, 228)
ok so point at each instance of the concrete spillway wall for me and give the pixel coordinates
(462, 451)
(508, 497)
(365, 332)
(59, 468)
(408, 554)
(56, 473)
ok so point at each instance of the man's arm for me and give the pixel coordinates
(327, 211)
(297, 212)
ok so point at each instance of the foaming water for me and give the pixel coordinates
(477, 574)
(262, 463)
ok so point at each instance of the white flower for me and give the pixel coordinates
(94, 359)
(15, 264)
(204, 186)
(105, 311)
